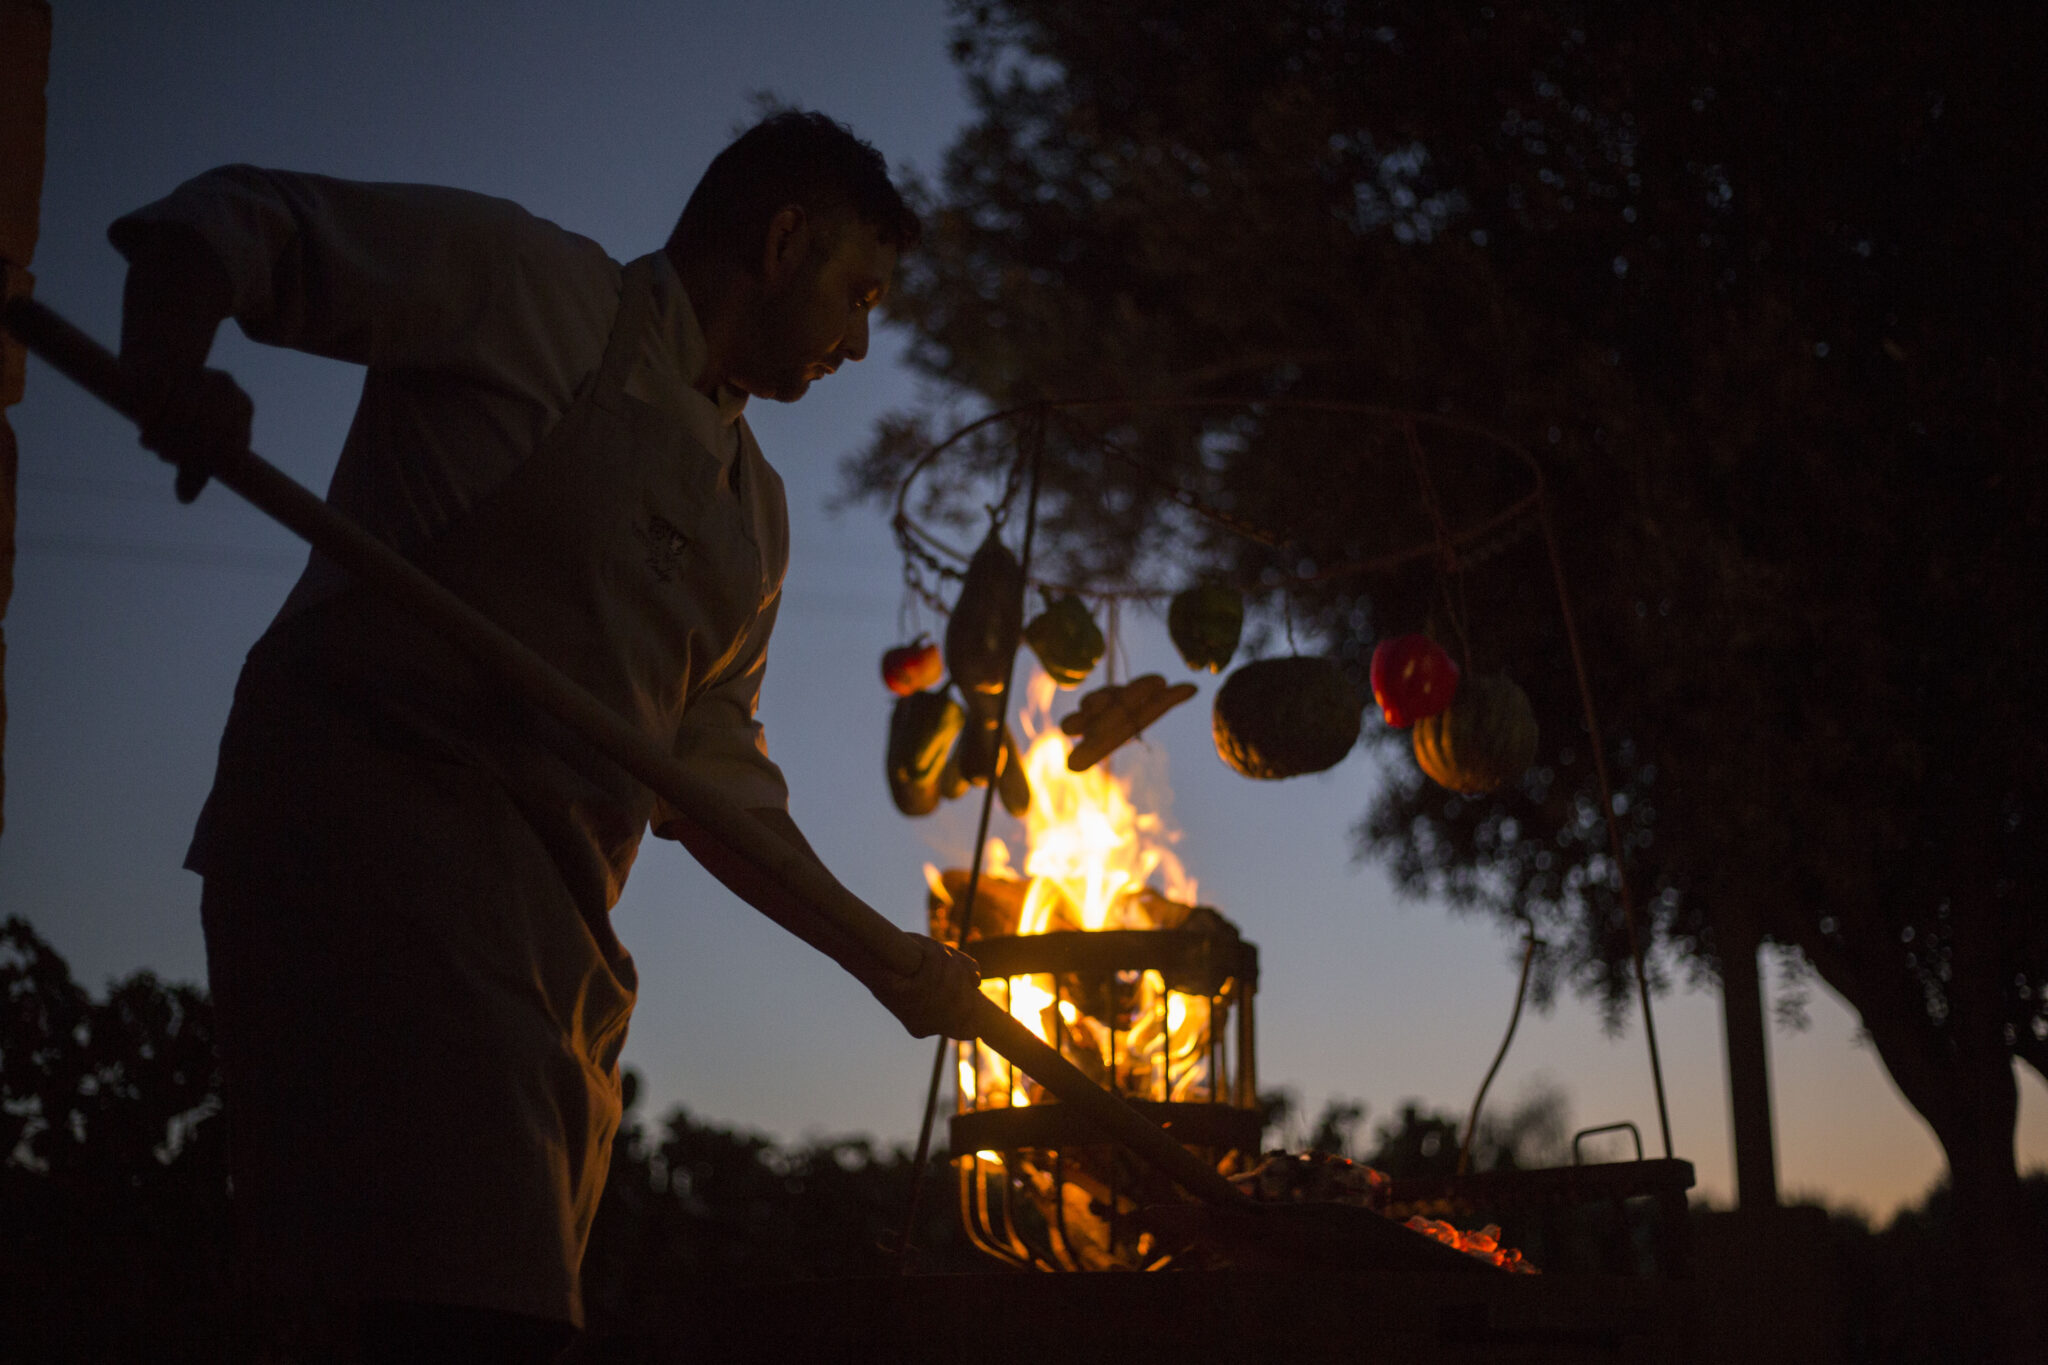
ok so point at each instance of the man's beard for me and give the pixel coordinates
(784, 353)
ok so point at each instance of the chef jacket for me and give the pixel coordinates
(478, 322)
(416, 868)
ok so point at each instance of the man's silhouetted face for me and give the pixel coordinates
(819, 283)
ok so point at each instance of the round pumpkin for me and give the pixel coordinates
(1205, 622)
(1277, 718)
(1485, 739)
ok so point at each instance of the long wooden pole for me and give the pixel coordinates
(92, 366)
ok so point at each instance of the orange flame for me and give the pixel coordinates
(1089, 850)
(1085, 833)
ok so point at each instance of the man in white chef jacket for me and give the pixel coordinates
(409, 873)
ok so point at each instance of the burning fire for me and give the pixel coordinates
(1093, 861)
(1088, 845)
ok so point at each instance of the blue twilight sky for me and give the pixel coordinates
(131, 614)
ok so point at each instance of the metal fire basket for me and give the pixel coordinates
(1161, 1016)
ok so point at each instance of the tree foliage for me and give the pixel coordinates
(1757, 286)
(113, 1169)
(1419, 1141)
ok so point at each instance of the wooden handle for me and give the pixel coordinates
(92, 366)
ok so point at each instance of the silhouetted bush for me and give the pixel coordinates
(113, 1182)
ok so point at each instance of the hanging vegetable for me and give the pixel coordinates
(1412, 679)
(1066, 640)
(986, 753)
(1013, 788)
(1205, 622)
(980, 749)
(912, 667)
(1278, 718)
(952, 782)
(1110, 715)
(1484, 740)
(921, 729)
(982, 632)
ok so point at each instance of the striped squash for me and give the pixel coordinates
(1482, 741)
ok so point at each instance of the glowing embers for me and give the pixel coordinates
(1483, 1243)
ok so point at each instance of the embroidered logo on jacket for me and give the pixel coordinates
(664, 545)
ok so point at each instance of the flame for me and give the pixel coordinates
(1088, 849)
(1097, 853)
(1085, 833)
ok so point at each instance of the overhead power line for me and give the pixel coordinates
(232, 557)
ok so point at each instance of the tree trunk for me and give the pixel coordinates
(1960, 1080)
(1957, 1071)
(2002, 1266)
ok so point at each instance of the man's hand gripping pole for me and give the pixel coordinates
(93, 367)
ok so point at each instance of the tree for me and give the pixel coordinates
(1425, 1142)
(113, 1169)
(1754, 284)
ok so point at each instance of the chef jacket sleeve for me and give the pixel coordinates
(390, 275)
(719, 739)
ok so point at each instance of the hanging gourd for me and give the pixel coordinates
(1412, 679)
(1205, 622)
(1066, 640)
(1278, 718)
(922, 728)
(1485, 739)
(985, 753)
(980, 749)
(1013, 787)
(982, 632)
(912, 667)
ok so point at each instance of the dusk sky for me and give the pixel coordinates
(131, 614)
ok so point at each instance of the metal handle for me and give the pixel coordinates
(76, 355)
(1585, 1133)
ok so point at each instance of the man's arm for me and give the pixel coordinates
(936, 998)
(384, 275)
(176, 297)
(397, 276)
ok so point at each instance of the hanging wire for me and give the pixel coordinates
(1449, 570)
(1529, 944)
(1032, 455)
(1113, 632)
(1614, 842)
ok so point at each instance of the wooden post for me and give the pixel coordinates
(1749, 1082)
(24, 72)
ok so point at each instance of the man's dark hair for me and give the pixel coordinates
(792, 157)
